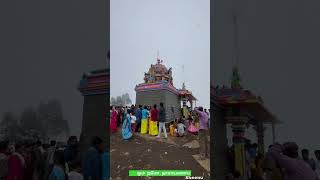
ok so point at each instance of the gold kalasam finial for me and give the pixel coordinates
(236, 79)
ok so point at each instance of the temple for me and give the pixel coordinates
(158, 87)
(94, 87)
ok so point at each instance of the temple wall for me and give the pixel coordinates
(94, 119)
(172, 100)
(149, 97)
(155, 97)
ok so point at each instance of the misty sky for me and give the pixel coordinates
(45, 48)
(279, 60)
(178, 29)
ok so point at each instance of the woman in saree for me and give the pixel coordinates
(144, 120)
(191, 127)
(126, 127)
(114, 118)
(153, 128)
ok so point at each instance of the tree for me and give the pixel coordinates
(51, 115)
(9, 125)
(126, 99)
(119, 101)
(29, 119)
(122, 100)
(113, 101)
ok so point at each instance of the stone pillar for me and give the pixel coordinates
(260, 136)
(238, 125)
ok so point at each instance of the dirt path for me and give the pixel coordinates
(144, 153)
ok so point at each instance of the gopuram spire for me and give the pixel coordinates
(235, 78)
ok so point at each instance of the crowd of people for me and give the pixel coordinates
(53, 161)
(153, 120)
(280, 162)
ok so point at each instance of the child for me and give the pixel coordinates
(74, 174)
(172, 128)
(105, 165)
(180, 129)
(133, 121)
(58, 171)
(192, 128)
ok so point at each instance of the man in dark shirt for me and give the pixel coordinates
(92, 167)
(138, 114)
(162, 120)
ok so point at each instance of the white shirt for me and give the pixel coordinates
(73, 175)
(133, 119)
(50, 156)
(180, 128)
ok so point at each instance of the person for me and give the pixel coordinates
(162, 120)
(119, 116)
(172, 128)
(144, 120)
(114, 120)
(126, 127)
(209, 118)
(203, 132)
(307, 159)
(180, 128)
(294, 168)
(29, 159)
(16, 163)
(58, 170)
(185, 111)
(105, 165)
(191, 127)
(153, 128)
(205, 110)
(74, 173)
(133, 108)
(317, 162)
(257, 171)
(92, 167)
(271, 168)
(138, 114)
(133, 121)
(50, 152)
(71, 153)
(124, 114)
(3, 160)
(251, 155)
(50, 156)
(39, 158)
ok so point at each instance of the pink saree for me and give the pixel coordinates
(114, 120)
(16, 167)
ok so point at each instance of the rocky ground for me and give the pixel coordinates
(149, 153)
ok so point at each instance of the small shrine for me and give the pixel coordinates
(94, 87)
(242, 109)
(158, 87)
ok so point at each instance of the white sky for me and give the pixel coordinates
(178, 29)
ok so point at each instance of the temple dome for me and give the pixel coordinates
(158, 72)
(160, 68)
